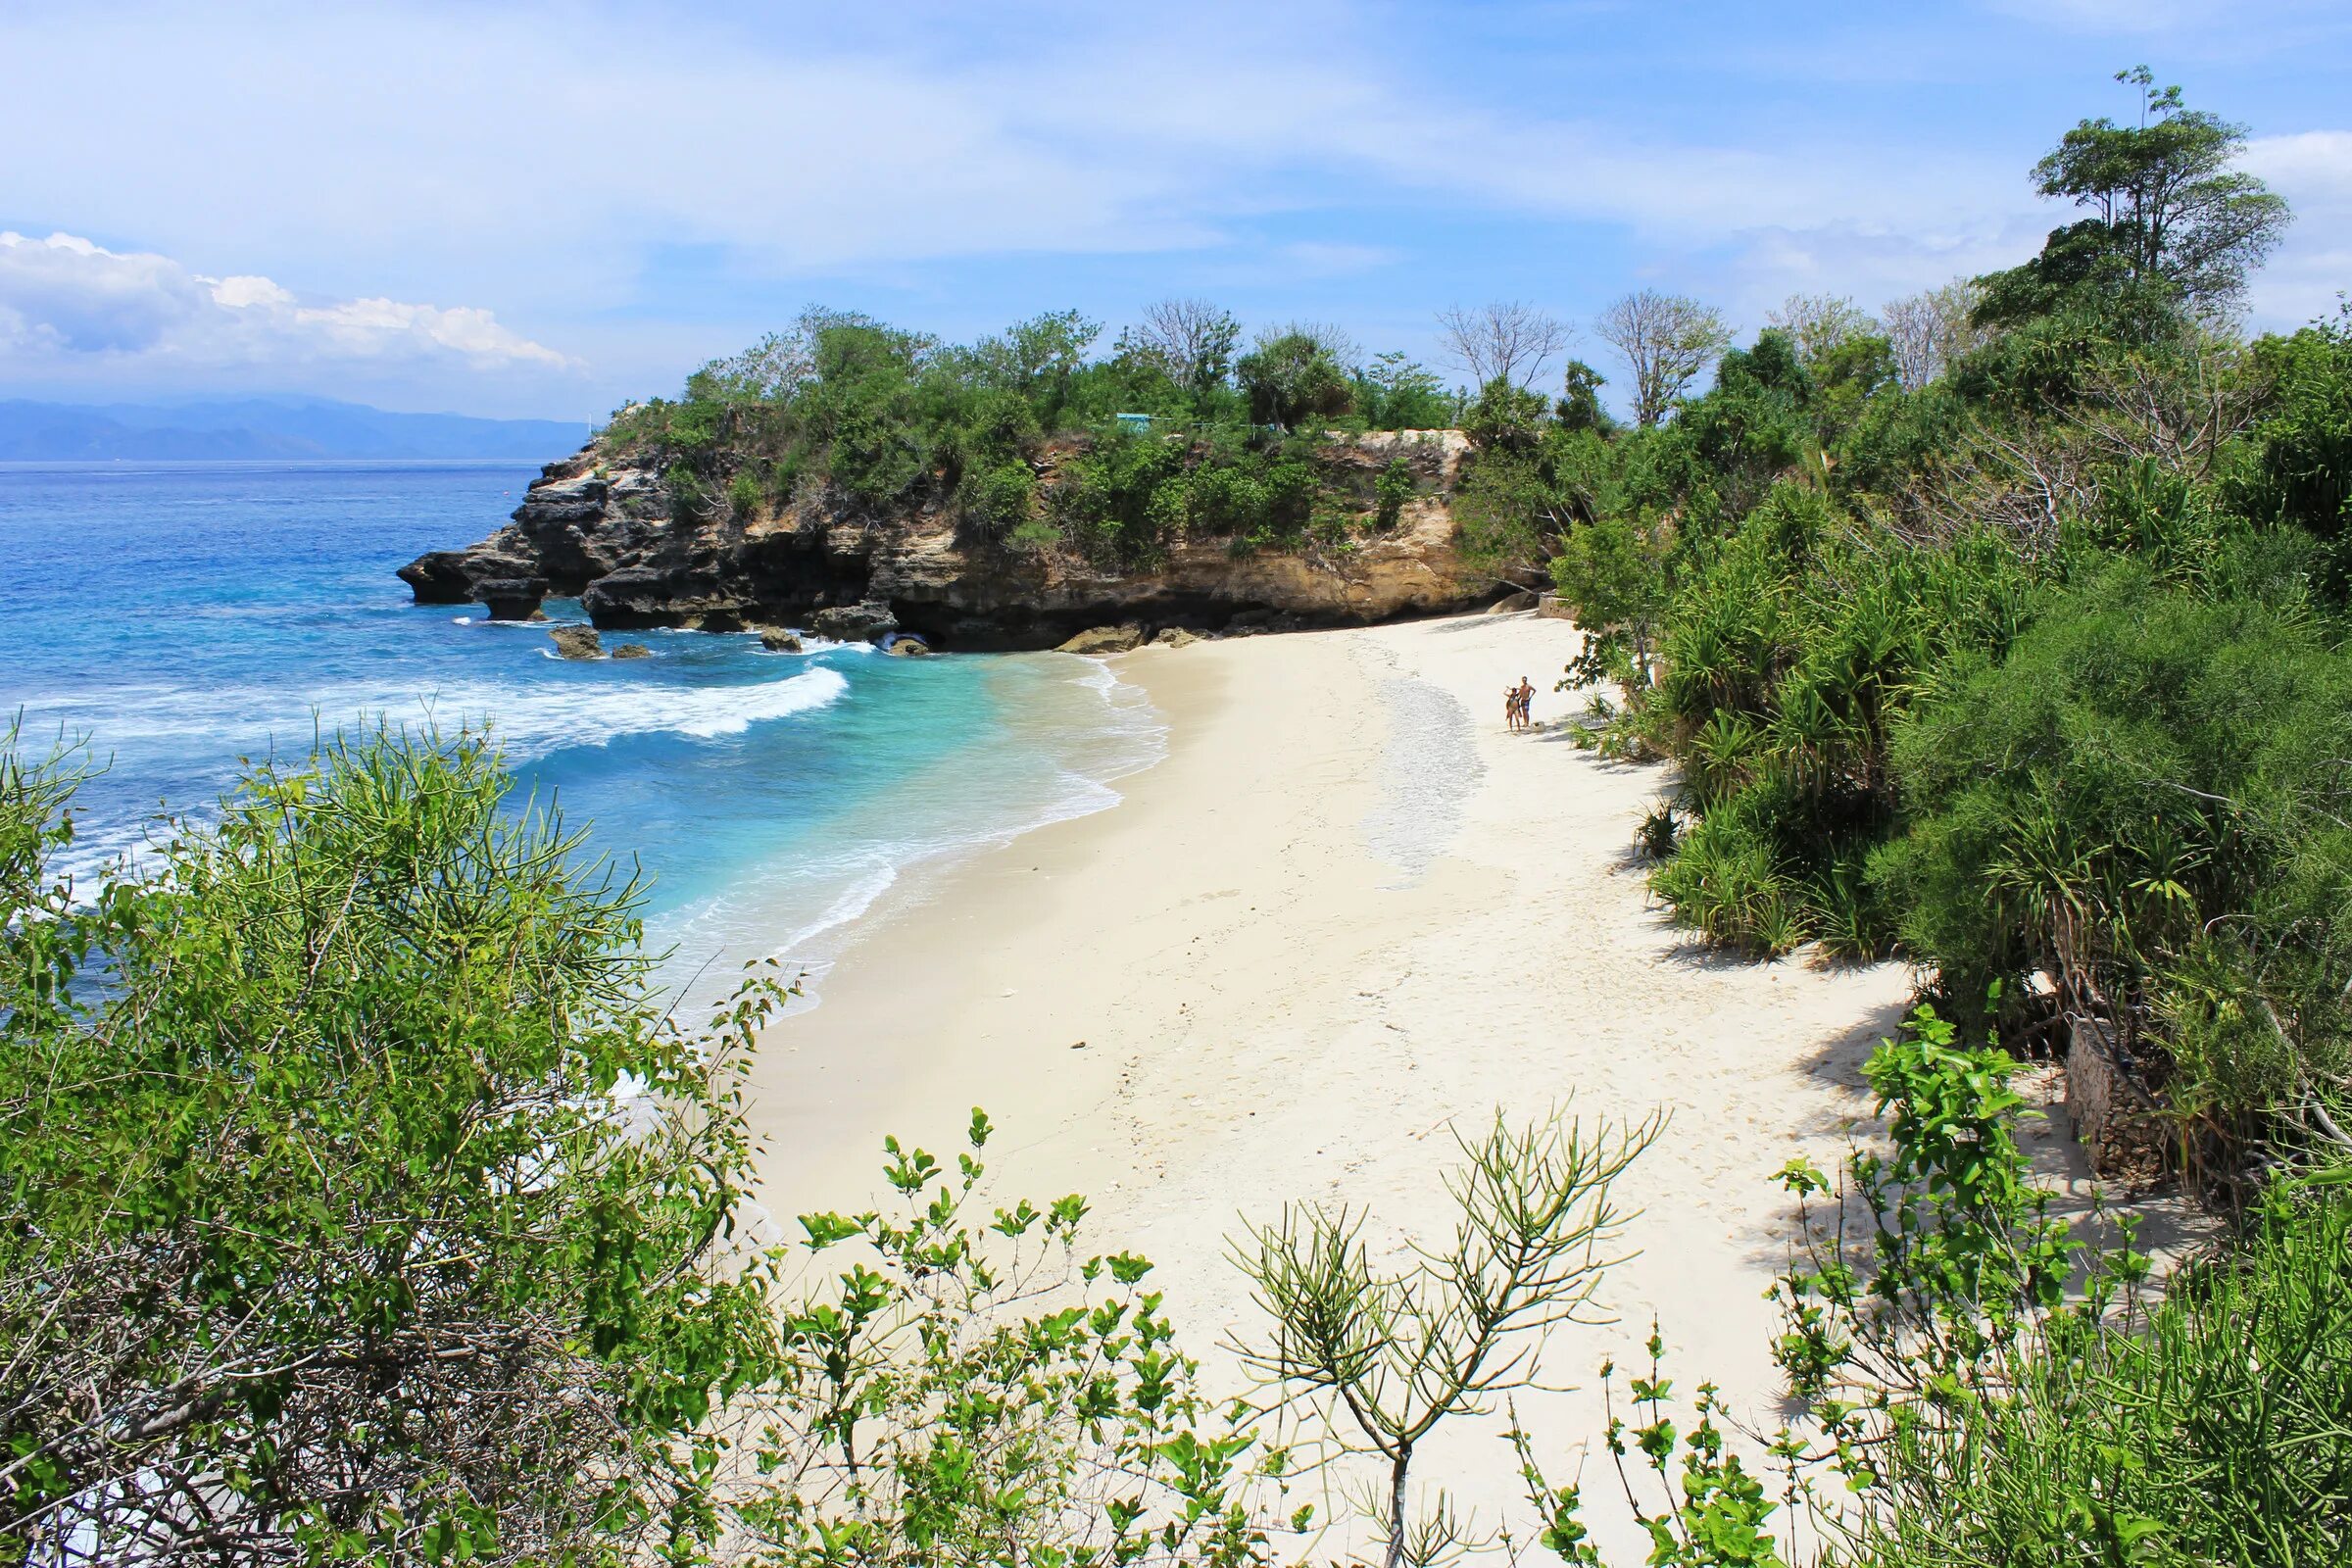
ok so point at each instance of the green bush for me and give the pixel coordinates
(1001, 500)
(1997, 1391)
(1391, 491)
(745, 492)
(2148, 784)
(334, 1226)
(966, 1389)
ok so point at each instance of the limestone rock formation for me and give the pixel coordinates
(907, 645)
(860, 623)
(776, 640)
(1104, 640)
(632, 651)
(577, 642)
(604, 525)
(1174, 637)
(512, 598)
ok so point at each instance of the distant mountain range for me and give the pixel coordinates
(266, 427)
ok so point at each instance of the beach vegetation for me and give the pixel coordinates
(969, 1387)
(1036, 442)
(1981, 1378)
(1977, 631)
(1382, 1355)
(361, 1202)
(1294, 375)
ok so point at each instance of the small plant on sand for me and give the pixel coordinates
(1380, 1358)
(1712, 1513)
(968, 1390)
(1661, 827)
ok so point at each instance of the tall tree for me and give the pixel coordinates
(1819, 323)
(1667, 341)
(1191, 339)
(2170, 207)
(1931, 329)
(1507, 339)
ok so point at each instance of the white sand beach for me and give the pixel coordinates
(1347, 910)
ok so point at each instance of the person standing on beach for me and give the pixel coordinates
(1511, 708)
(1524, 697)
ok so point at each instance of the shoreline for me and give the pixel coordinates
(1219, 995)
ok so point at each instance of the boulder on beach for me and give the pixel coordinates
(632, 651)
(854, 623)
(512, 598)
(1174, 637)
(577, 642)
(777, 640)
(1511, 603)
(907, 645)
(1104, 640)
(1552, 607)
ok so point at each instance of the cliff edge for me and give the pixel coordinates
(644, 546)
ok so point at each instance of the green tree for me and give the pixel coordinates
(2301, 471)
(1580, 399)
(1037, 360)
(2171, 209)
(1293, 376)
(360, 1201)
(1395, 393)
(1613, 574)
(1667, 341)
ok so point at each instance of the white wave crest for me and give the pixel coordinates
(529, 719)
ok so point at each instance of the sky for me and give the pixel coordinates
(549, 209)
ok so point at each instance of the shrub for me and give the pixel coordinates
(1391, 491)
(967, 1389)
(745, 492)
(330, 1232)
(2144, 797)
(1294, 377)
(1985, 1412)
(1001, 500)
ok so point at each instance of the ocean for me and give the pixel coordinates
(176, 619)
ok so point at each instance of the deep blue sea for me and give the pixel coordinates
(176, 617)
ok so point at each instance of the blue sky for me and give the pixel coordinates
(545, 210)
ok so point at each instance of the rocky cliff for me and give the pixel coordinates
(605, 527)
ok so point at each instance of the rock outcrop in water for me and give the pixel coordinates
(605, 527)
(577, 642)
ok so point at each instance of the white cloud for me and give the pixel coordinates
(792, 153)
(646, 183)
(2311, 169)
(65, 298)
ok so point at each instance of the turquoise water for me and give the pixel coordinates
(178, 616)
